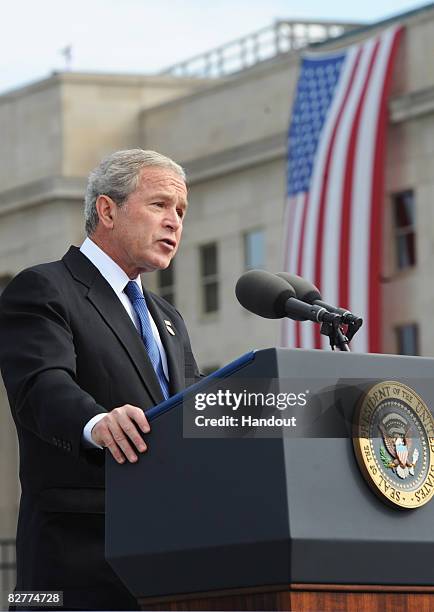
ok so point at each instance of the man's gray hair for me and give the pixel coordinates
(117, 176)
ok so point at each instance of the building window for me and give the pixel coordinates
(405, 229)
(166, 283)
(408, 339)
(254, 249)
(209, 277)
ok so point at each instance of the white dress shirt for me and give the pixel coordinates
(117, 279)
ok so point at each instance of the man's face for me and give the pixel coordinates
(147, 228)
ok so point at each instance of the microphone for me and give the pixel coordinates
(307, 292)
(269, 296)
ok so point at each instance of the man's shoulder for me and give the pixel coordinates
(53, 276)
(34, 289)
(47, 269)
(73, 265)
(40, 274)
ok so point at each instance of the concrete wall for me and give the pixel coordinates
(31, 129)
(250, 107)
(101, 114)
(409, 292)
(222, 209)
(40, 234)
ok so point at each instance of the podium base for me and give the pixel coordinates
(304, 597)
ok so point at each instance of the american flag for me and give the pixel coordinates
(336, 147)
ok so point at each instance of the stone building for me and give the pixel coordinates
(229, 131)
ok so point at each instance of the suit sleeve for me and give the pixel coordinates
(38, 361)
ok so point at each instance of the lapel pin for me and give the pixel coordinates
(169, 327)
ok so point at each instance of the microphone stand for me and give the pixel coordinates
(336, 336)
(342, 342)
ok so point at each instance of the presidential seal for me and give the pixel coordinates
(393, 440)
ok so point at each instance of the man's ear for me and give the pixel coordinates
(106, 209)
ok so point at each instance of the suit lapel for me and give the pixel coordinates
(106, 302)
(172, 346)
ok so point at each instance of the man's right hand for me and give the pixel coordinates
(117, 430)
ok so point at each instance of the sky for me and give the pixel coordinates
(144, 36)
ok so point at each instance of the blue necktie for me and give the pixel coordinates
(139, 304)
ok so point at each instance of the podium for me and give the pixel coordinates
(257, 523)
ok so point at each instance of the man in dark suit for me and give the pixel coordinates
(83, 351)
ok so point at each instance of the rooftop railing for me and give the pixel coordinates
(281, 37)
